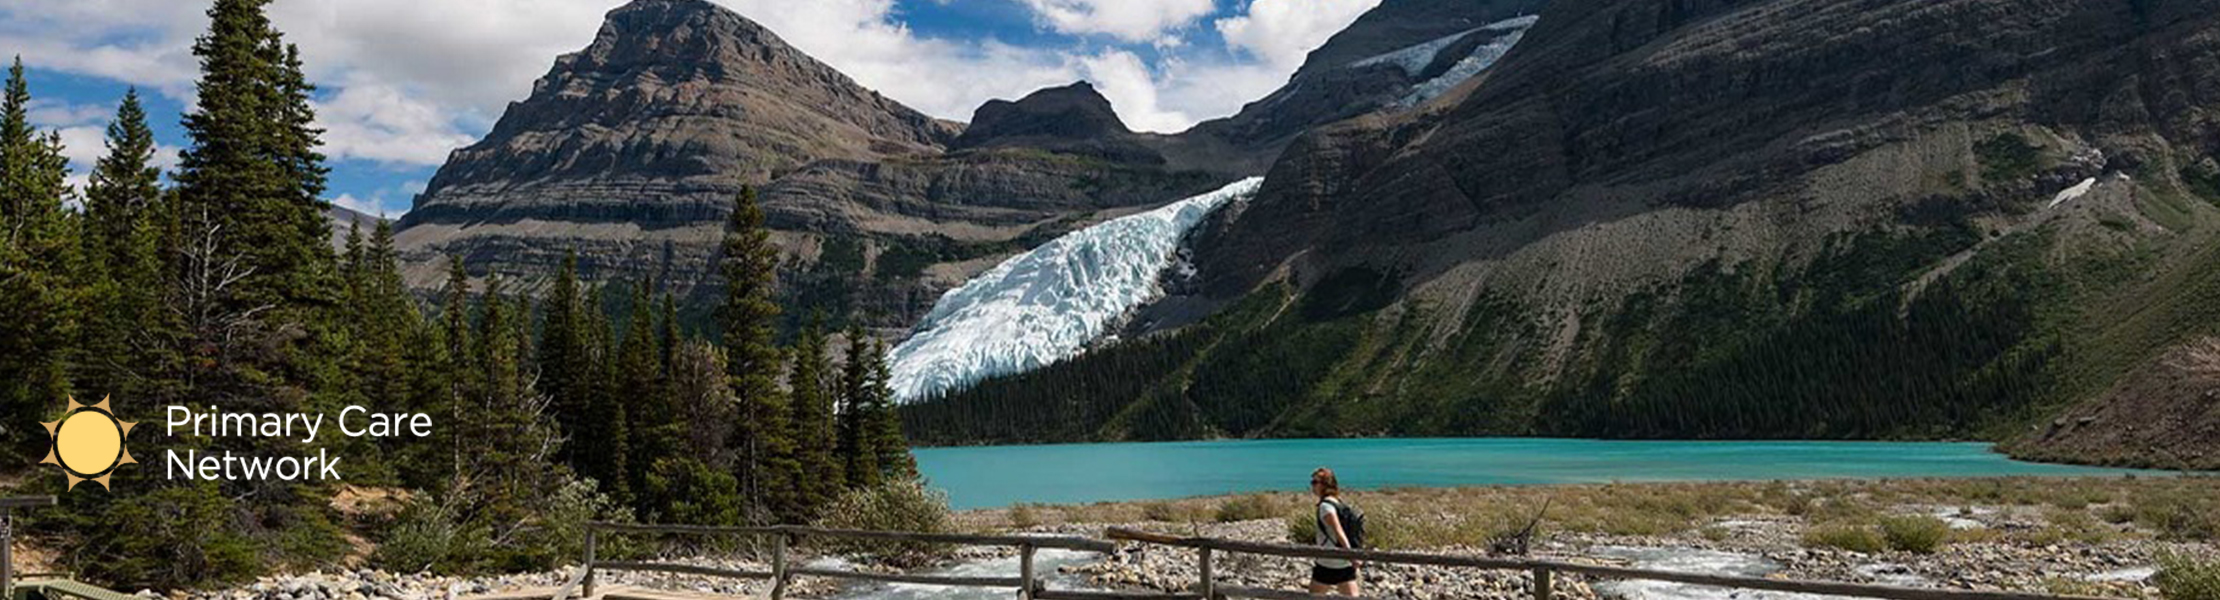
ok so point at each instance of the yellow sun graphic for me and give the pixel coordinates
(88, 443)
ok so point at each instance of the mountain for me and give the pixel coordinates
(1715, 219)
(630, 152)
(1373, 65)
(343, 219)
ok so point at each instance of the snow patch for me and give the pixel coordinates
(2077, 191)
(1048, 304)
(1482, 57)
(1414, 59)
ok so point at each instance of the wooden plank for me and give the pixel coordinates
(1291, 550)
(1060, 542)
(680, 569)
(27, 501)
(683, 529)
(1542, 584)
(1003, 582)
(73, 589)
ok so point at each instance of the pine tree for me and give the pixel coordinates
(124, 184)
(639, 372)
(861, 467)
(749, 264)
(38, 289)
(560, 351)
(605, 436)
(883, 427)
(251, 170)
(819, 479)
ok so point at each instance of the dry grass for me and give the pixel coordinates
(2183, 508)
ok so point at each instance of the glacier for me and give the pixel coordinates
(1481, 58)
(1046, 305)
(1413, 59)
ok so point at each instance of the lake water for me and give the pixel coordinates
(996, 476)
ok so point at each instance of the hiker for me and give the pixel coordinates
(1334, 574)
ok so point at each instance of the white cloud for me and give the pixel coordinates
(1128, 20)
(373, 121)
(1282, 32)
(350, 202)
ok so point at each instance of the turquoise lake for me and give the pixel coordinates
(996, 476)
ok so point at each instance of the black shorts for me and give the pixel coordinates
(1327, 576)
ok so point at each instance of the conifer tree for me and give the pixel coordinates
(883, 426)
(605, 435)
(749, 263)
(639, 372)
(38, 293)
(124, 185)
(861, 467)
(819, 479)
(561, 353)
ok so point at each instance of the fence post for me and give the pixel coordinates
(778, 566)
(1209, 587)
(7, 555)
(588, 566)
(1542, 583)
(1025, 571)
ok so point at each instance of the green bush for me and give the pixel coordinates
(1918, 534)
(1024, 516)
(430, 535)
(1855, 538)
(2180, 515)
(1167, 512)
(2181, 577)
(1302, 527)
(1247, 508)
(2006, 157)
(892, 506)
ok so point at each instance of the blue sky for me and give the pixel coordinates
(405, 81)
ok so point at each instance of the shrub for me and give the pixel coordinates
(429, 534)
(1855, 538)
(1247, 508)
(1024, 516)
(1716, 533)
(1919, 534)
(2180, 515)
(2181, 577)
(2006, 157)
(892, 506)
(1167, 512)
(1302, 527)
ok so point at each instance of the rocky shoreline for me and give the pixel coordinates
(2052, 544)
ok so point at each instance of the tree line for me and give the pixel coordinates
(220, 286)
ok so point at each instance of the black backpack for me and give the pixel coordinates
(1352, 522)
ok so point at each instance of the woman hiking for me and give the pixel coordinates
(1333, 575)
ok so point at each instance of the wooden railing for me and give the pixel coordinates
(1543, 571)
(1030, 587)
(1027, 583)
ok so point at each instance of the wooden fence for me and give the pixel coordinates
(1543, 570)
(1027, 583)
(1030, 587)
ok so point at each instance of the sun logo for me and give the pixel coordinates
(88, 443)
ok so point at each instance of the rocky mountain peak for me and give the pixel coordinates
(1073, 119)
(1072, 112)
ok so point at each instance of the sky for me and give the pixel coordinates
(404, 82)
